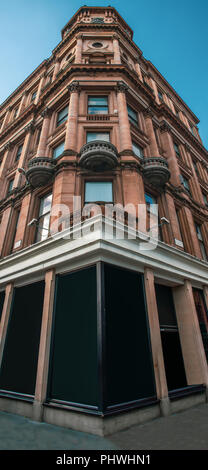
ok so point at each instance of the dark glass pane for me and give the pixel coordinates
(19, 364)
(174, 366)
(166, 310)
(172, 353)
(74, 365)
(202, 317)
(129, 361)
(2, 297)
(62, 116)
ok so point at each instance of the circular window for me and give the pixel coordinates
(97, 44)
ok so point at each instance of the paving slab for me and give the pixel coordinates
(187, 430)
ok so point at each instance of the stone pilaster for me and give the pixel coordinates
(5, 317)
(156, 343)
(191, 341)
(44, 349)
(71, 125)
(124, 125)
(41, 152)
(78, 53)
(26, 145)
(167, 144)
(116, 49)
(153, 147)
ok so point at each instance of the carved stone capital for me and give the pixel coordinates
(148, 112)
(165, 127)
(30, 128)
(46, 112)
(121, 87)
(74, 87)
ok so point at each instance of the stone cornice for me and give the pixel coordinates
(165, 110)
(15, 195)
(66, 249)
(196, 208)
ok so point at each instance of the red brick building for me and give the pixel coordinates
(92, 327)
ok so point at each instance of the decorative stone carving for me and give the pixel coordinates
(40, 171)
(97, 20)
(74, 87)
(98, 155)
(156, 171)
(165, 127)
(121, 87)
(46, 112)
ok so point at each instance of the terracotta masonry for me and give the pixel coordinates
(97, 120)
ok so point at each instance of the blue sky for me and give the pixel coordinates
(172, 35)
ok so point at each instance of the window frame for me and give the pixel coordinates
(133, 121)
(201, 241)
(41, 217)
(65, 118)
(96, 182)
(17, 152)
(55, 147)
(97, 132)
(9, 191)
(97, 106)
(135, 144)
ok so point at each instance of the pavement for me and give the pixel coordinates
(187, 430)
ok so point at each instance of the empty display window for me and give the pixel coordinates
(20, 357)
(74, 361)
(172, 353)
(2, 297)
(202, 314)
(129, 369)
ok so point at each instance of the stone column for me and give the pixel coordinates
(42, 78)
(205, 291)
(6, 118)
(22, 103)
(153, 147)
(116, 49)
(156, 343)
(29, 132)
(22, 223)
(138, 70)
(154, 87)
(44, 348)
(124, 125)
(4, 228)
(5, 317)
(168, 146)
(56, 69)
(78, 52)
(4, 164)
(189, 232)
(71, 125)
(190, 336)
(194, 182)
(41, 152)
(172, 217)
